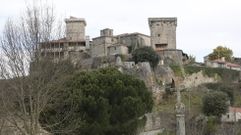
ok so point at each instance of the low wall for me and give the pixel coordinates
(171, 56)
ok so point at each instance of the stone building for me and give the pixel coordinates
(163, 40)
(99, 47)
(221, 63)
(134, 40)
(117, 49)
(163, 33)
(75, 29)
(107, 41)
(73, 44)
(76, 43)
(233, 115)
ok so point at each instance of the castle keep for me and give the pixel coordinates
(76, 44)
(163, 33)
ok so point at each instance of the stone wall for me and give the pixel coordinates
(163, 32)
(197, 79)
(171, 56)
(117, 50)
(99, 47)
(75, 29)
(98, 50)
(134, 40)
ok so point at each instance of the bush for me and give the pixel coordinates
(177, 70)
(215, 104)
(211, 126)
(146, 54)
(228, 89)
(100, 102)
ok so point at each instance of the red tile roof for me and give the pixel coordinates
(234, 109)
(228, 64)
(233, 65)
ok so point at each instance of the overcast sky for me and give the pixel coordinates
(202, 24)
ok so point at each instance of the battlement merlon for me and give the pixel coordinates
(74, 19)
(166, 19)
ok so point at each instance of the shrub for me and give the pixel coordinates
(100, 102)
(215, 104)
(146, 54)
(228, 89)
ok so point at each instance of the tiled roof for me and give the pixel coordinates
(234, 109)
(233, 65)
(228, 64)
(219, 61)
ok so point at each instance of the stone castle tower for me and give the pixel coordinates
(100, 44)
(163, 33)
(75, 29)
(106, 32)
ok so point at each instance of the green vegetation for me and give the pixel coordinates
(237, 96)
(215, 104)
(224, 74)
(100, 102)
(146, 54)
(166, 132)
(226, 88)
(211, 126)
(192, 59)
(220, 52)
(177, 70)
(194, 96)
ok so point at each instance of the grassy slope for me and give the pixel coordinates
(196, 94)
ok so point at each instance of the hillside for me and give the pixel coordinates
(192, 98)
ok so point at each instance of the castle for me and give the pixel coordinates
(76, 44)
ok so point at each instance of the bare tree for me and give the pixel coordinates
(24, 95)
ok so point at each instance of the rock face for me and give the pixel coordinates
(196, 79)
(164, 74)
(141, 70)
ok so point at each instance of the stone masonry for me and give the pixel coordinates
(75, 29)
(75, 42)
(163, 33)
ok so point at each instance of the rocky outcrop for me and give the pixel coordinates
(196, 79)
(163, 74)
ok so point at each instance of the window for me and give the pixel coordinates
(158, 35)
(61, 45)
(81, 43)
(157, 24)
(160, 46)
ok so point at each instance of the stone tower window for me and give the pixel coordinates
(158, 35)
(160, 46)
